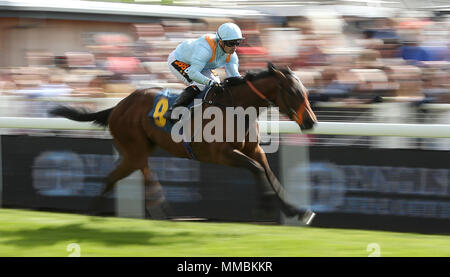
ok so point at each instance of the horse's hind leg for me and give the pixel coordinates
(124, 169)
(153, 190)
(121, 171)
(133, 158)
(156, 205)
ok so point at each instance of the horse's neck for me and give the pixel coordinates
(245, 97)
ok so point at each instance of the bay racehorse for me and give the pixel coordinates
(136, 135)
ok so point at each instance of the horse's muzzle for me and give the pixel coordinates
(307, 124)
(304, 116)
(305, 120)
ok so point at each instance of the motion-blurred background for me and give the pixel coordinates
(362, 61)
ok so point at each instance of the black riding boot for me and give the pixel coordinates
(183, 99)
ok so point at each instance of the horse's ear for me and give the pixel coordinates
(290, 71)
(271, 67)
(276, 71)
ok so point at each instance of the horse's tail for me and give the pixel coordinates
(99, 118)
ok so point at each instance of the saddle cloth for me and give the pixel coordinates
(163, 101)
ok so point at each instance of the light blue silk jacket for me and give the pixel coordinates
(197, 53)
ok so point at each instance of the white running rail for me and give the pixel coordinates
(284, 127)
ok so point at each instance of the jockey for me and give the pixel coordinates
(192, 61)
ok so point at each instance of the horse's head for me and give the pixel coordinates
(292, 98)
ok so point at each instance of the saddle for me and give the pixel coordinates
(165, 100)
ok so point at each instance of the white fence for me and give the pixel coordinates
(282, 127)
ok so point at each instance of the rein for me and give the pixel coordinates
(257, 92)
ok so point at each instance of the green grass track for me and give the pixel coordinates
(43, 234)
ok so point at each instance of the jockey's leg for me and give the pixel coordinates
(186, 97)
(189, 93)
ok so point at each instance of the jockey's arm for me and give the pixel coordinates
(199, 60)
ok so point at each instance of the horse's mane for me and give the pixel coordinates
(252, 76)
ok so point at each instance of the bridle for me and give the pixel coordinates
(297, 115)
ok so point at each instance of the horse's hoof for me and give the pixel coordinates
(158, 212)
(154, 196)
(307, 217)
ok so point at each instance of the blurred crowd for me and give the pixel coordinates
(370, 59)
(338, 58)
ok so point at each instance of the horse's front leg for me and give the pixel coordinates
(236, 158)
(288, 209)
(274, 187)
(269, 191)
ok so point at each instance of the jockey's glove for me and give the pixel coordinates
(213, 83)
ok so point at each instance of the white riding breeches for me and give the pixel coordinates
(206, 72)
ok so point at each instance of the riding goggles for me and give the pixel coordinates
(231, 43)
